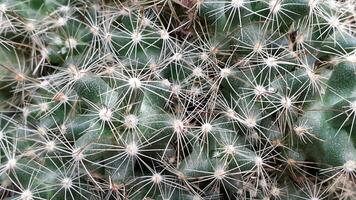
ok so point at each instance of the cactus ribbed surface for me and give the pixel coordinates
(177, 99)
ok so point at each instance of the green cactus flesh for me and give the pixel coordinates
(177, 99)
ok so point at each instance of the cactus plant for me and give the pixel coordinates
(177, 99)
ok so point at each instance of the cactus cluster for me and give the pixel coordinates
(177, 99)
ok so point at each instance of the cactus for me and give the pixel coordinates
(177, 99)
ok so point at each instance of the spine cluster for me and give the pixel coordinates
(177, 99)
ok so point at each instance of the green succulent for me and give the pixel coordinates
(177, 99)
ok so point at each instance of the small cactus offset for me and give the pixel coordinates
(177, 99)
